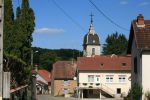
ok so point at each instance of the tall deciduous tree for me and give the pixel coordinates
(115, 44)
(8, 25)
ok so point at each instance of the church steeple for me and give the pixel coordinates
(91, 29)
(91, 44)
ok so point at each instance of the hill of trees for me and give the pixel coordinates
(45, 58)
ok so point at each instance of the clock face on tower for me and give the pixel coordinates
(93, 41)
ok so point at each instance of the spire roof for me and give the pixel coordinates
(91, 29)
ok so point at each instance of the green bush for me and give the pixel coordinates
(147, 95)
(136, 91)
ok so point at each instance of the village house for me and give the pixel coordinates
(64, 78)
(43, 84)
(139, 48)
(102, 76)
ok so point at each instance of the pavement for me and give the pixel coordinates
(49, 97)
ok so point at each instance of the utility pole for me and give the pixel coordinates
(1, 47)
(34, 97)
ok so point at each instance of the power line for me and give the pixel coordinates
(68, 16)
(108, 18)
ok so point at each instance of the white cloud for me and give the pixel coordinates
(143, 3)
(123, 2)
(49, 30)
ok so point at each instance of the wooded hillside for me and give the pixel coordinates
(44, 58)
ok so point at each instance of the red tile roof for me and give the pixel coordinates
(140, 34)
(105, 63)
(45, 74)
(64, 70)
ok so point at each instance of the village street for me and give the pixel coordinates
(48, 97)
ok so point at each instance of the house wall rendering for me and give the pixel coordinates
(95, 51)
(62, 87)
(145, 71)
(110, 80)
(136, 65)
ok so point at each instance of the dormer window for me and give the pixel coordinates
(101, 64)
(124, 64)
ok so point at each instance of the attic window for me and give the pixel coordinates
(102, 64)
(124, 64)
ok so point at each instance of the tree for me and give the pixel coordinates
(17, 41)
(18, 32)
(115, 44)
(25, 20)
(8, 26)
(18, 36)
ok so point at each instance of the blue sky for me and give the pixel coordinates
(55, 30)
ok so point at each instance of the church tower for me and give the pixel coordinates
(91, 44)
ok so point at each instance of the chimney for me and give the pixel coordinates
(140, 20)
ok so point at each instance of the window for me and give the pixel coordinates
(66, 82)
(90, 78)
(124, 64)
(97, 84)
(85, 84)
(109, 78)
(118, 90)
(97, 78)
(135, 65)
(93, 51)
(122, 78)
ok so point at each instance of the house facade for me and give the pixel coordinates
(43, 84)
(104, 76)
(139, 48)
(64, 78)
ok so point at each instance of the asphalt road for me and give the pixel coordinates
(48, 97)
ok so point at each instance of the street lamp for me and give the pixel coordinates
(32, 53)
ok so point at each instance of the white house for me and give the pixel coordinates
(139, 48)
(104, 76)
